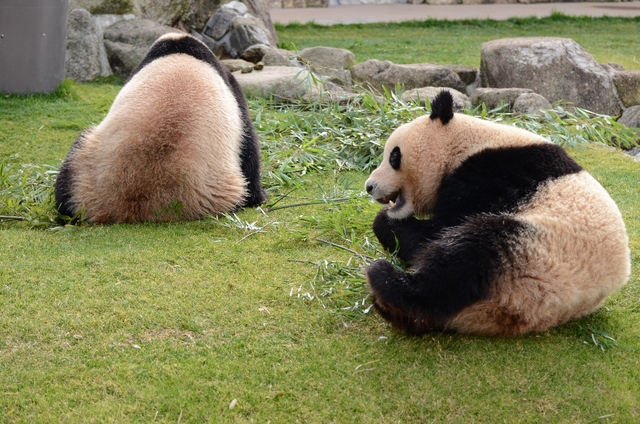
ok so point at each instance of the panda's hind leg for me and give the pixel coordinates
(391, 291)
(449, 274)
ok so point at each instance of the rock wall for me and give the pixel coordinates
(325, 3)
(524, 74)
(499, 1)
(189, 14)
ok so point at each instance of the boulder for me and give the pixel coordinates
(255, 53)
(127, 42)
(329, 62)
(631, 117)
(494, 97)
(165, 12)
(85, 57)
(288, 83)
(200, 11)
(281, 82)
(231, 31)
(460, 100)
(468, 74)
(527, 103)
(377, 74)
(556, 68)
(317, 3)
(634, 153)
(118, 7)
(628, 86)
(260, 10)
(104, 21)
(234, 65)
(293, 4)
(279, 57)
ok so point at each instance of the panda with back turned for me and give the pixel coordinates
(519, 237)
(177, 144)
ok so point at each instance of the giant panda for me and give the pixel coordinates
(177, 144)
(519, 238)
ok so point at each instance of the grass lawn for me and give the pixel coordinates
(263, 316)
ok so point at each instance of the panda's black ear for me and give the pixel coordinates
(442, 107)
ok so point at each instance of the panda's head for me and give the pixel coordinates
(414, 161)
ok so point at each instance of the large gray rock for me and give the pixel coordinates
(634, 153)
(556, 68)
(281, 82)
(460, 100)
(166, 12)
(232, 30)
(234, 65)
(494, 97)
(631, 117)
(85, 57)
(530, 103)
(288, 83)
(278, 57)
(193, 14)
(118, 7)
(260, 10)
(127, 42)
(201, 10)
(104, 21)
(628, 86)
(329, 62)
(376, 74)
(468, 74)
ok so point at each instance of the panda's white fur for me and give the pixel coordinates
(169, 148)
(493, 261)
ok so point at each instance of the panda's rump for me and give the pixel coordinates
(576, 255)
(172, 135)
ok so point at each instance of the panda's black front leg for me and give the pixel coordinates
(404, 236)
(448, 274)
(397, 298)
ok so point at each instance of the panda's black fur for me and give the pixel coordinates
(218, 190)
(484, 260)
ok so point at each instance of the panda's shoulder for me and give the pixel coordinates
(498, 180)
(540, 161)
(175, 44)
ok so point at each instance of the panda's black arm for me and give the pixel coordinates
(405, 236)
(450, 273)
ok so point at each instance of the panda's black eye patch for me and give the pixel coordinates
(395, 158)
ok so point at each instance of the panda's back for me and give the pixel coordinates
(582, 235)
(574, 255)
(172, 136)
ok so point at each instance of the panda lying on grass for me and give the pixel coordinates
(178, 143)
(519, 237)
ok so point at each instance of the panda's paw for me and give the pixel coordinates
(254, 198)
(388, 292)
(385, 281)
(384, 229)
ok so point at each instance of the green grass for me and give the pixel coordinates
(268, 307)
(459, 42)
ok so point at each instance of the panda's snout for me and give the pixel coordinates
(369, 188)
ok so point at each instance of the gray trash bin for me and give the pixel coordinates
(32, 45)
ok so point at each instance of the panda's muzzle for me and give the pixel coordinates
(394, 200)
